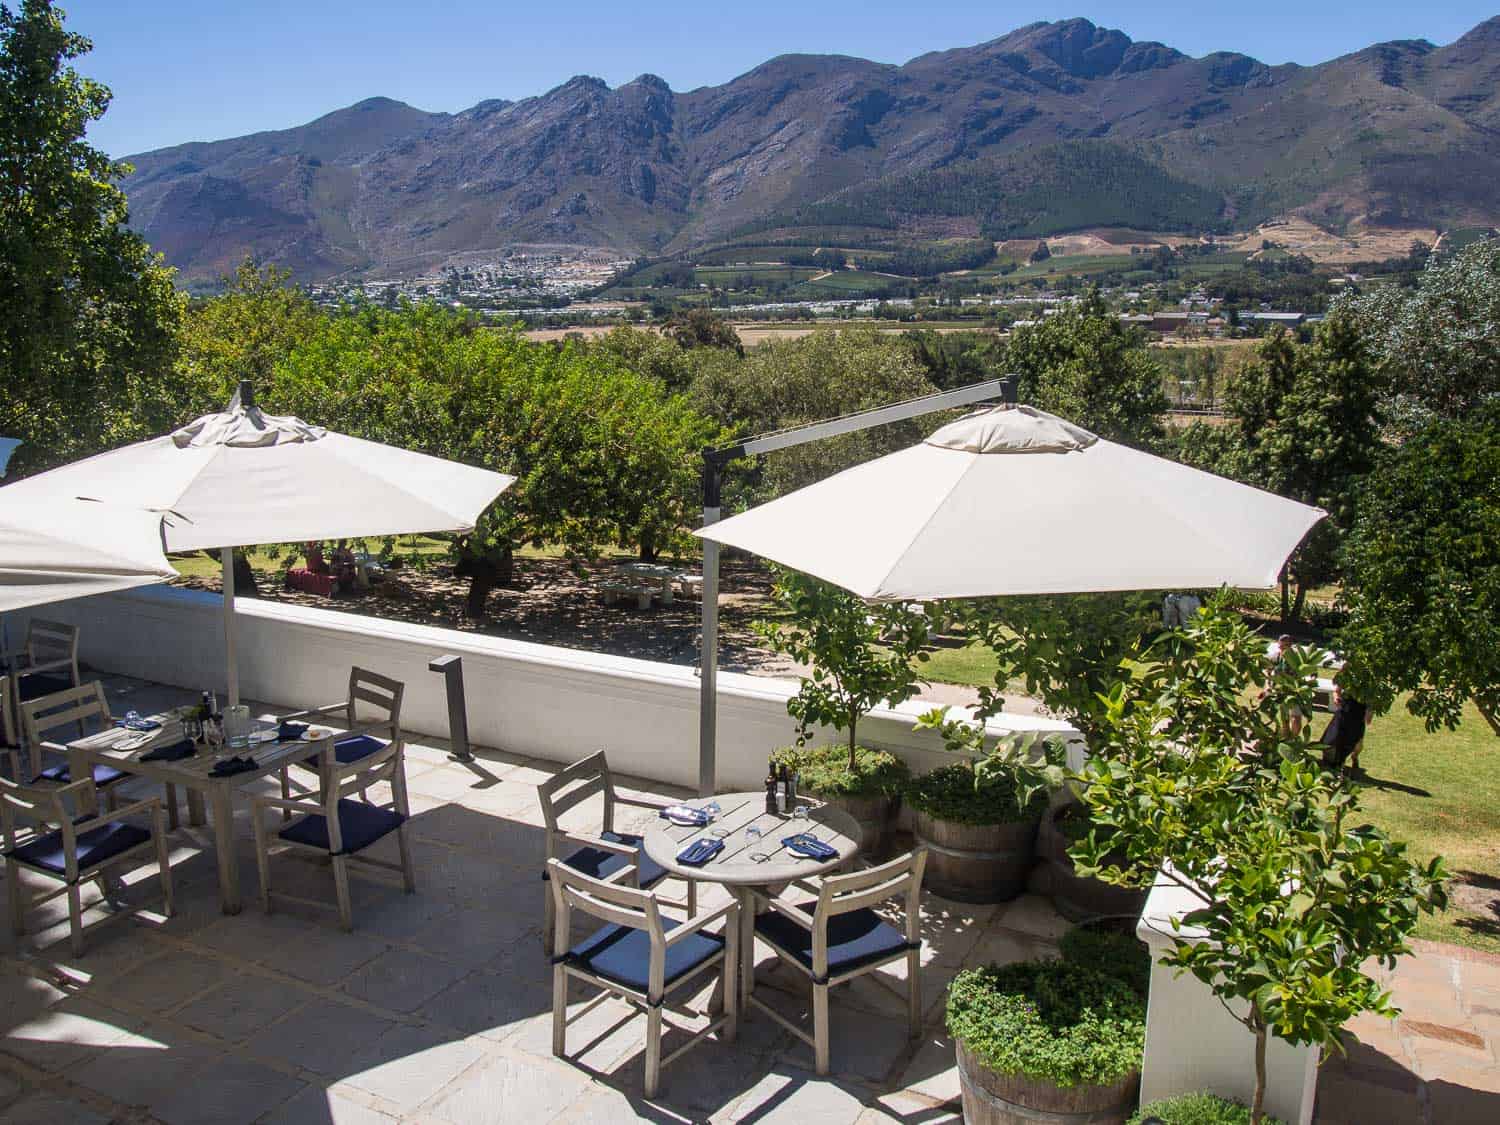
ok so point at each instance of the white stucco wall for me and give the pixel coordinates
(1192, 1043)
(539, 700)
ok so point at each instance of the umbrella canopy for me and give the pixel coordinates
(1012, 500)
(55, 548)
(242, 477)
(7, 447)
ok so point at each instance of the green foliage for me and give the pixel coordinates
(1198, 774)
(1197, 1109)
(964, 795)
(1087, 367)
(601, 454)
(826, 771)
(88, 315)
(787, 383)
(1423, 574)
(650, 354)
(1305, 427)
(930, 259)
(699, 327)
(1120, 955)
(859, 653)
(1054, 1021)
(1438, 344)
(1067, 650)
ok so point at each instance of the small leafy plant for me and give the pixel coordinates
(1055, 1021)
(827, 770)
(960, 794)
(1122, 956)
(1197, 1109)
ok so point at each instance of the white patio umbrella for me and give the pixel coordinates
(52, 548)
(241, 477)
(1012, 500)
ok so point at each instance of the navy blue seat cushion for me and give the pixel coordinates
(597, 863)
(34, 685)
(623, 955)
(854, 939)
(62, 775)
(359, 824)
(94, 847)
(351, 749)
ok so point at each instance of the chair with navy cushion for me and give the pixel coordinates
(844, 938)
(73, 712)
(74, 847)
(371, 716)
(10, 728)
(616, 857)
(639, 955)
(48, 660)
(339, 825)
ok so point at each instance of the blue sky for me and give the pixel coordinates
(186, 70)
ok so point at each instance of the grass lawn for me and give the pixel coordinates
(1441, 794)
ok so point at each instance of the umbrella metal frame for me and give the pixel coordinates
(714, 462)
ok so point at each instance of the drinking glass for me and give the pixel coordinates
(800, 812)
(237, 727)
(753, 832)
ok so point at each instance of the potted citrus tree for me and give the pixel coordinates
(858, 654)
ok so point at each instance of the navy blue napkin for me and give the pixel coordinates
(173, 753)
(700, 852)
(290, 732)
(687, 816)
(231, 766)
(137, 723)
(809, 846)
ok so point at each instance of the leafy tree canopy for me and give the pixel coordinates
(1440, 342)
(1422, 574)
(87, 314)
(1087, 367)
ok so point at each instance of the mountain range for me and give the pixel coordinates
(1051, 127)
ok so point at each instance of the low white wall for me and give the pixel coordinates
(1192, 1043)
(539, 700)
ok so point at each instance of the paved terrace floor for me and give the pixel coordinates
(437, 1007)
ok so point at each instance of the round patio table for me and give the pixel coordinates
(747, 864)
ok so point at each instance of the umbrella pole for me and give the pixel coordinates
(231, 661)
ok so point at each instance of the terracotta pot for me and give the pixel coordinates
(975, 862)
(1012, 1099)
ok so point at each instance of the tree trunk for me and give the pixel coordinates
(1258, 1103)
(244, 577)
(484, 572)
(1286, 605)
(1300, 601)
(853, 757)
(647, 553)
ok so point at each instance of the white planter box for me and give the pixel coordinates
(1192, 1043)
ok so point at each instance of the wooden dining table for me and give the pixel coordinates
(193, 775)
(748, 864)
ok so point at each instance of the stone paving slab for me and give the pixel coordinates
(437, 1008)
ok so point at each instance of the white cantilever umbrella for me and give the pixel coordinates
(1012, 500)
(242, 477)
(52, 548)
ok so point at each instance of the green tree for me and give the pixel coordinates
(1438, 344)
(1198, 779)
(1305, 425)
(1087, 367)
(1422, 574)
(601, 454)
(858, 653)
(699, 327)
(649, 353)
(88, 316)
(787, 383)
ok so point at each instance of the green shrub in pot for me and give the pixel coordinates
(960, 795)
(1045, 1038)
(1121, 955)
(826, 771)
(1197, 1109)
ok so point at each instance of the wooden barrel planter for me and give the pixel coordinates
(874, 817)
(1078, 898)
(975, 862)
(990, 1098)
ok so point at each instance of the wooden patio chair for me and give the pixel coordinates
(75, 848)
(638, 955)
(339, 827)
(363, 735)
(616, 857)
(73, 713)
(843, 938)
